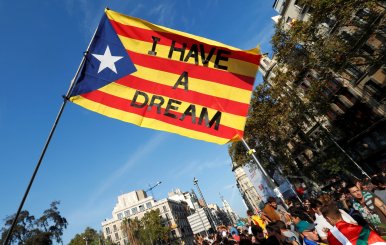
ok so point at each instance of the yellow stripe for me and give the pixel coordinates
(197, 85)
(234, 65)
(131, 21)
(145, 122)
(227, 119)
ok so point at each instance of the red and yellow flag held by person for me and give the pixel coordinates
(164, 79)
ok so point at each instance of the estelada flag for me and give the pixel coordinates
(164, 79)
(350, 234)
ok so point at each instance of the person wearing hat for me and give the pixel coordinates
(308, 232)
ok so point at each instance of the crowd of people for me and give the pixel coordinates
(351, 212)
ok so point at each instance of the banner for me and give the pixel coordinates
(160, 78)
(258, 181)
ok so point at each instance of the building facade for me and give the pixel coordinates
(356, 118)
(135, 204)
(247, 190)
(227, 209)
(189, 197)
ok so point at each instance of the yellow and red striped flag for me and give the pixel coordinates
(164, 79)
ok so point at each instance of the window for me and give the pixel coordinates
(148, 205)
(134, 210)
(363, 13)
(333, 84)
(346, 36)
(115, 227)
(368, 49)
(127, 213)
(353, 71)
(167, 216)
(141, 208)
(116, 236)
(120, 216)
(109, 238)
(107, 230)
(373, 89)
(164, 208)
(289, 20)
(346, 93)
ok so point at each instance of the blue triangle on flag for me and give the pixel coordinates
(95, 73)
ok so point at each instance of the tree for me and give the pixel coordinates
(132, 229)
(148, 230)
(89, 234)
(281, 111)
(153, 230)
(21, 231)
(29, 230)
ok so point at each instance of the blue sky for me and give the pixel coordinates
(92, 159)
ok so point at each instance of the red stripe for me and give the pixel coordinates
(166, 39)
(124, 105)
(192, 97)
(195, 71)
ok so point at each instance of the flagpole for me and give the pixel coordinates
(65, 99)
(270, 181)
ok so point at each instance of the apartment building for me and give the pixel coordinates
(357, 114)
(135, 204)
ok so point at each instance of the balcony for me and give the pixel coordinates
(336, 109)
(345, 101)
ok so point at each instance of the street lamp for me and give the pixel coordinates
(86, 239)
(195, 182)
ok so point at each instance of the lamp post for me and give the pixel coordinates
(195, 182)
(86, 239)
(267, 177)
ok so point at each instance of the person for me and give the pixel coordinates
(321, 224)
(274, 235)
(270, 209)
(300, 214)
(308, 232)
(290, 236)
(346, 233)
(379, 189)
(370, 207)
(300, 191)
(235, 235)
(255, 221)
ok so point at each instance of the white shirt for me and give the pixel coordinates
(322, 224)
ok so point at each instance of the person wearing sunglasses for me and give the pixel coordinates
(308, 233)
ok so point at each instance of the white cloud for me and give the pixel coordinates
(143, 150)
(165, 13)
(262, 38)
(87, 10)
(211, 4)
(90, 213)
(137, 9)
(230, 186)
(197, 166)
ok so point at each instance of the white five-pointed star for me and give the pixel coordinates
(107, 60)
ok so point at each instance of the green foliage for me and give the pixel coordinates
(153, 228)
(148, 230)
(280, 111)
(91, 235)
(29, 230)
